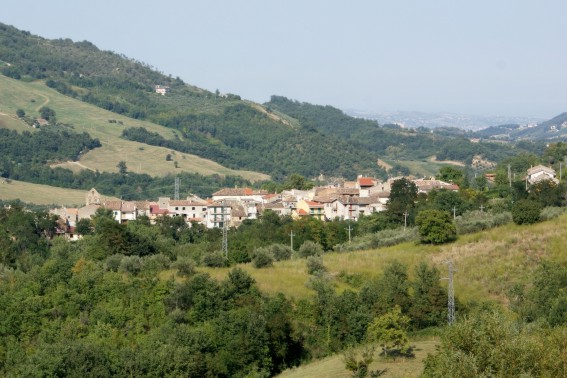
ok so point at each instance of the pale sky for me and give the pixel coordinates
(482, 57)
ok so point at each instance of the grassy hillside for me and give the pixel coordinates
(488, 263)
(334, 366)
(140, 158)
(42, 194)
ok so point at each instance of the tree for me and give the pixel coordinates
(84, 226)
(435, 226)
(20, 113)
(47, 113)
(390, 331)
(403, 195)
(451, 174)
(122, 168)
(429, 301)
(526, 211)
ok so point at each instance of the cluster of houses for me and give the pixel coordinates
(231, 206)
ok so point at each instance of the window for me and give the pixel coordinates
(176, 208)
(183, 207)
(193, 208)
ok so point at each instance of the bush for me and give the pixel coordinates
(435, 226)
(155, 263)
(112, 263)
(310, 248)
(552, 212)
(526, 212)
(475, 221)
(215, 260)
(262, 258)
(280, 252)
(315, 265)
(384, 238)
(185, 266)
(131, 264)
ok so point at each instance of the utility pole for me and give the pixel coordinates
(224, 232)
(454, 212)
(291, 235)
(349, 230)
(450, 294)
(481, 208)
(176, 195)
(405, 219)
(509, 176)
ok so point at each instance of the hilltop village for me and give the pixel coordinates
(346, 201)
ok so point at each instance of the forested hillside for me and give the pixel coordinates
(280, 138)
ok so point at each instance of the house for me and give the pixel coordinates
(309, 208)
(162, 89)
(364, 184)
(239, 194)
(541, 173)
(217, 215)
(426, 186)
(191, 211)
(69, 214)
(123, 211)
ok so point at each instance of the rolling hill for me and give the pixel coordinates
(277, 139)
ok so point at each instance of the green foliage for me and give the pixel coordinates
(185, 266)
(215, 259)
(280, 251)
(435, 226)
(526, 212)
(20, 113)
(429, 301)
(546, 297)
(310, 248)
(475, 221)
(390, 332)
(489, 344)
(403, 195)
(451, 174)
(262, 258)
(315, 265)
(380, 239)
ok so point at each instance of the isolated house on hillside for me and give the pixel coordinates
(162, 89)
(541, 173)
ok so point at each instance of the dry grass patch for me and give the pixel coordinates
(42, 194)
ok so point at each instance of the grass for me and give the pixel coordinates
(488, 263)
(42, 194)
(83, 117)
(423, 168)
(334, 366)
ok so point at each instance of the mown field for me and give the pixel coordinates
(83, 117)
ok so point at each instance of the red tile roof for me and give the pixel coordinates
(365, 181)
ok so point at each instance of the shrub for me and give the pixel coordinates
(185, 266)
(215, 260)
(435, 226)
(131, 264)
(112, 263)
(310, 248)
(552, 212)
(380, 239)
(315, 265)
(155, 263)
(281, 251)
(475, 221)
(526, 212)
(263, 258)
